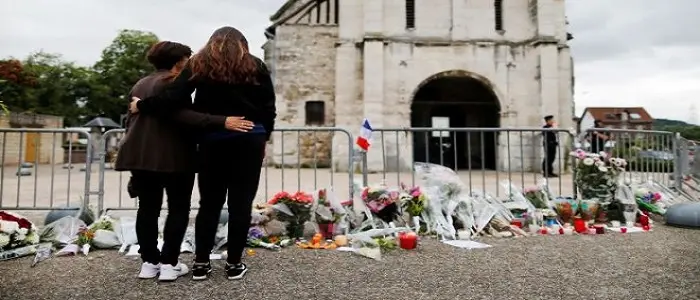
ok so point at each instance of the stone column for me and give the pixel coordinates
(347, 96)
(373, 98)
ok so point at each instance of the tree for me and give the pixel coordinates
(15, 82)
(122, 64)
(60, 88)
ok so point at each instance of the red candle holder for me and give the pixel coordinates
(599, 229)
(643, 220)
(408, 241)
(516, 223)
(623, 229)
(579, 225)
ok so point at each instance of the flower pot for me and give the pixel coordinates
(326, 230)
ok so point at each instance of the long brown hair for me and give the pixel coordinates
(225, 58)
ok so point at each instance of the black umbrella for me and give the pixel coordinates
(102, 122)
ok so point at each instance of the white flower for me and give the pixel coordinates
(602, 169)
(588, 161)
(8, 227)
(21, 237)
(23, 231)
(32, 239)
(4, 240)
(622, 161)
(603, 154)
(600, 163)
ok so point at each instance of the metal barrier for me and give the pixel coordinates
(650, 155)
(307, 150)
(34, 156)
(483, 157)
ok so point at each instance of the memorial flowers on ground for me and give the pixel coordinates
(382, 202)
(294, 209)
(16, 231)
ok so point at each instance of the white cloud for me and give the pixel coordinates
(646, 54)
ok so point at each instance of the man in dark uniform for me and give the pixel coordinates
(550, 142)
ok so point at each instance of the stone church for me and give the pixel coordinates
(419, 63)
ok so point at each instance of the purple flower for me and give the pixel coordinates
(255, 233)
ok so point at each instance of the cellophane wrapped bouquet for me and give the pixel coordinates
(328, 213)
(16, 232)
(650, 201)
(294, 209)
(597, 176)
(448, 200)
(382, 202)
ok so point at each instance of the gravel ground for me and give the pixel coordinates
(663, 264)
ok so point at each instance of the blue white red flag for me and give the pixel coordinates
(363, 140)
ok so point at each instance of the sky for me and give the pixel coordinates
(626, 52)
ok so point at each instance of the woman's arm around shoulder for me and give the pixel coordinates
(175, 96)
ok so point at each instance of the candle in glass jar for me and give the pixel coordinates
(579, 225)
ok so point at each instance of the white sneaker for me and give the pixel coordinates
(169, 272)
(149, 270)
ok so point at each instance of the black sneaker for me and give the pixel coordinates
(201, 271)
(236, 272)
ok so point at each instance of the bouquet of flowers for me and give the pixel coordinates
(16, 231)
(382, 202)
(326, 214)
(649, 201)
(537, 196)
(413, 201)
(566, 208)
(295, 209)
(597, 174)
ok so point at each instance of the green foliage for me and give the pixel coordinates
(122, 64)
(688, 131)
(44, 83)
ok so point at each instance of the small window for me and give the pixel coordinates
(635, 116)
(498, 14)
(315, 112)
(410, 14)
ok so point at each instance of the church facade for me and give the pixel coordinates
(419, 63)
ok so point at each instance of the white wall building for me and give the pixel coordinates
(421, 63)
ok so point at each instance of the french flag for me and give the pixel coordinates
(363, 140)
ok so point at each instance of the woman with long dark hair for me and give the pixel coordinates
(228, 81)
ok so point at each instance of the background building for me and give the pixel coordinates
(420, 63)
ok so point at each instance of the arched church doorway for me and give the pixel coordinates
(455, 99)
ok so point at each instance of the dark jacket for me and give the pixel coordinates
(165, 144)
(255, 102)
(550, 138)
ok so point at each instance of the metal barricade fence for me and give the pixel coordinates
(297, 159)
(484, 158)
(650, 155)
(31, 178)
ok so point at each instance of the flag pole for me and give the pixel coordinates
(365, 180)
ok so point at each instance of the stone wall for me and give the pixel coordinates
(303, 63)
(13, 145)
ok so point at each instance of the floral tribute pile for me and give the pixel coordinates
(382, 217)
(17, 236)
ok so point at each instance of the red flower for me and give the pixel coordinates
(279, 197)
(22, 222)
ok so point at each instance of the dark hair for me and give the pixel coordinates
(165, 55)
(226, 58)
(548, 118)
